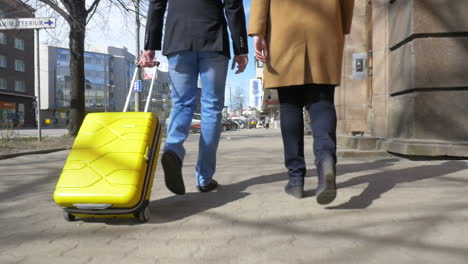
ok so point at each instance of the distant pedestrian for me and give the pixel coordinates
(67, 117)
(196, 43)
(301, 43)
(267, 122)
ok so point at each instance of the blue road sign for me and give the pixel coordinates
(137, 86)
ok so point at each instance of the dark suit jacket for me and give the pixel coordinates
(196, 25)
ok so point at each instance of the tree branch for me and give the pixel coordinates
(92, 10)
(56, 8)
(129, 10)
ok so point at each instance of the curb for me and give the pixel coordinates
(351, 153)
(41, 151)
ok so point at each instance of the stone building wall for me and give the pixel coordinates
(416, 101)
(350, 97)
(428, 77)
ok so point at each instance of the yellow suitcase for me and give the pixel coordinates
(111, 166)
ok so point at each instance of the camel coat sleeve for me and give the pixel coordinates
(259, 14)
(347, 7)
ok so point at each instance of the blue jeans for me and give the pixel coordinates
(184, 68)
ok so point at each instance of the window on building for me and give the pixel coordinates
(20, 86)
(19, 44)
(3, 38)
(19, 65)
(2, 14)
(3, 84)
(3, 61)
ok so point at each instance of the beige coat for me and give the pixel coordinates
(305, 39)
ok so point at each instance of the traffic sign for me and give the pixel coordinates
(137, 86)
(27, 23)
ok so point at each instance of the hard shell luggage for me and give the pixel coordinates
(111, 166)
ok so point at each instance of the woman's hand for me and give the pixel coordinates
(261, 48)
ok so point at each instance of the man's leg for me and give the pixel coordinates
(292, 130)
(320, 103)
(213, 71)
(183, 74)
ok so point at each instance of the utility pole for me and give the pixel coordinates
(241, 103)
(230, 99)
(38, 88)
(137, 53)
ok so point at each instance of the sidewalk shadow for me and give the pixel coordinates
(382, 182)
(175, 208)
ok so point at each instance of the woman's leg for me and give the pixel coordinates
(321, 107)
(292, 130)
(320, 104)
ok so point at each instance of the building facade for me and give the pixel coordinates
(108, 74)
(16, 68)
(413, 99)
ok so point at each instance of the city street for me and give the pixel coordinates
(388, 210)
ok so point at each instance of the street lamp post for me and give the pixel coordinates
(241, 103)
(230, 99)
(137, 40)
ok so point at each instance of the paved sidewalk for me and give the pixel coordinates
(388, 210)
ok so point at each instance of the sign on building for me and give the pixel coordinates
(137, 86)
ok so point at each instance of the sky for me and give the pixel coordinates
(120, 31)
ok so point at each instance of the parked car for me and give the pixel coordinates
(225, 126)
(195, 126)
(234, 125)
(240, 123)
(196, 119)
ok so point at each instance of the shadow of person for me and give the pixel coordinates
(175, 208)
(178, 207)
(342, 169)
(382, 182)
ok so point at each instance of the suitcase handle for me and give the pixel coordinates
(148, 98)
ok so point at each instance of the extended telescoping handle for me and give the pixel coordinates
(148, 99)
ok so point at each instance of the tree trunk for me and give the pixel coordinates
(77, 76)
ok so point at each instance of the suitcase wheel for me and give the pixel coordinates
(69, 217)
(143, 215)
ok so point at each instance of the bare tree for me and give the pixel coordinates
(237, 99)
(77, 16)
